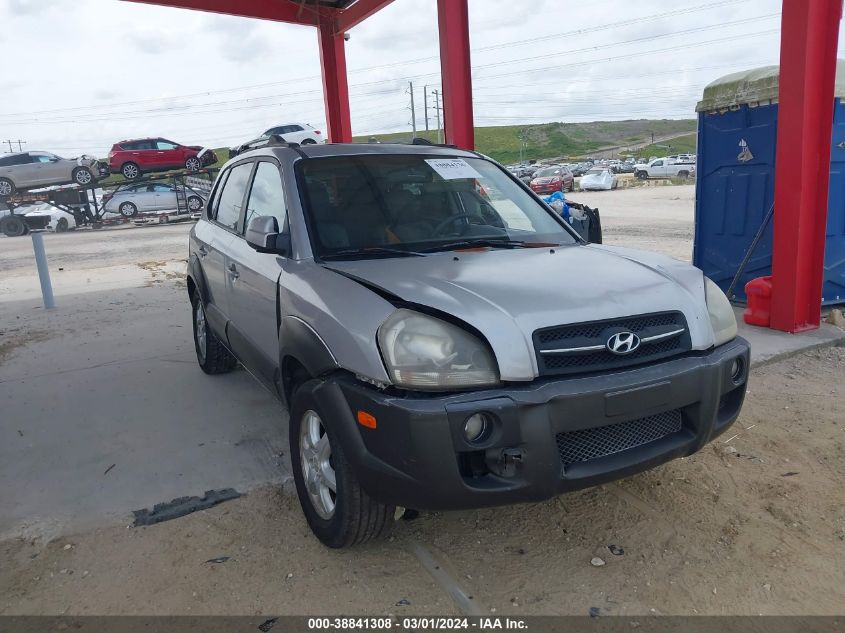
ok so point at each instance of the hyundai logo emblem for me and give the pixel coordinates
(623, 343)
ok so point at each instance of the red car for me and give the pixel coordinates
(132, 158)
(550, 179)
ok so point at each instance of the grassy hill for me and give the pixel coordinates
(573, 140)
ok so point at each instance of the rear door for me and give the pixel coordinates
(214, 239)
(47, 169)
(254, 328)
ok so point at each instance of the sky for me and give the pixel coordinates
(89, 73)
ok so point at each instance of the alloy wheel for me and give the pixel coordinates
(315, 454)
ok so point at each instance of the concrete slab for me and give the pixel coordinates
(103, 410)
(768, 346)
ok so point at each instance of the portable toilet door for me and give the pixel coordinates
(737, 134)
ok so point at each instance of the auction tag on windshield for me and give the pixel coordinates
(453, 168)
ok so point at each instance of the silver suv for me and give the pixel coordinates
(31, 170)
(443, 339)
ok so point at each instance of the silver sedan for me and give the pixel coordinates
(146, 197)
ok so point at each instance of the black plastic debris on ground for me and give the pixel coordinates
(267, 625)
(182, 506)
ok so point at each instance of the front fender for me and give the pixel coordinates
(298, 341)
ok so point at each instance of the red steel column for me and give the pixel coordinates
(810, 33)
(335, 82)
(453, 18)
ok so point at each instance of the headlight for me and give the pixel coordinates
(422, 352)
(721, 313)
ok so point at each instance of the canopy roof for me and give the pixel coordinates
(753, 86)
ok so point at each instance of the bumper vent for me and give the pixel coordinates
(581, 347)
(586, 444)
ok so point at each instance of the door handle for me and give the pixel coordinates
(233, 271)
(202, 251)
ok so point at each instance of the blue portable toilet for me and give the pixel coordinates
(737, 134)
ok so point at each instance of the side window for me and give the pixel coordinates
(658, 163)
(165, 145)
(267, 196)
(296, 128)
(40, 158)
(232, 196)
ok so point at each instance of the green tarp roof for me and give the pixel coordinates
(753, 86)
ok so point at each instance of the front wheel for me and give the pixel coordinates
(193, 164)
(337, 509)
(683, 175)
(308, 141)
(7, 187)
(62, 225)
(194, 203)
(82, 176)
(641, 175)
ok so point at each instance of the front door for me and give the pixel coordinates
(254, 328)
(215, 239)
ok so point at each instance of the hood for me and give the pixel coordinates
(508, 294)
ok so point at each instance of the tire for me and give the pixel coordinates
(62, 225)
(308, 141)
(212, 357)
(683, 175)
(348, 516)
(572, 185)
(641, 175)
(82, 176)
(127, 209)
(193, 164)
(194, 203)
(7, 187)
(130, 171)
(13, 226)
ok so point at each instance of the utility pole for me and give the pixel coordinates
(413, 110)
(425, 106)
(437, 109)
(20, 148)
(10, 144)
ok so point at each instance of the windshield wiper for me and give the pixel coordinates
(487, 243)
(375, 251)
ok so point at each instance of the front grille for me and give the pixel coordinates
(596, 333)
(586, 444)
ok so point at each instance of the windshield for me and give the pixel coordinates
(392, 205)
(547, 172)
(597, 170)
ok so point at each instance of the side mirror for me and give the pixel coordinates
(262, 234)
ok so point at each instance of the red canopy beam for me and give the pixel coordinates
(359, 12)
(335, 81)
(456, 72)
(276, 10)
(810, 34)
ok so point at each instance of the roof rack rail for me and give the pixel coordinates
(418, 140)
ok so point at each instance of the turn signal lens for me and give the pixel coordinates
(366, 419)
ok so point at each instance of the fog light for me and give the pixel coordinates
(737, 370)
(476, 426)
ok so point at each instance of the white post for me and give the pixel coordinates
(43, 270)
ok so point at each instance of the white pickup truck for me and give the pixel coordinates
(664, 168)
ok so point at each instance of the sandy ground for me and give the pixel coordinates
(754, 523)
